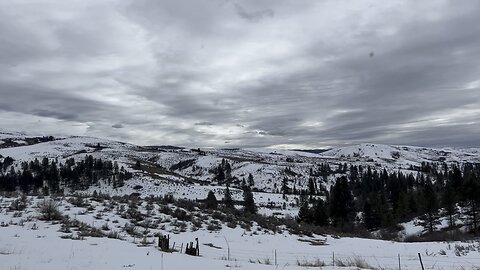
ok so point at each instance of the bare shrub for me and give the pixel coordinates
(355, 262)
(48, 209)
(77, 201)
(66, 225)
(181, 215)
(214, 225)
(315, 263)
(84, 230)
(19, 204)
(114, 235)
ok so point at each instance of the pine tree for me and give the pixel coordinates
(371, 215)
(228, 170)
(220, 173)
(430, 219)
(250, 180)
(471, 191)
(311, 186)
(449, 202)
(341, 202)
(138, 166)
(248, 201)
(304, 212)
(383, 207)
(320, 214)
(412, 203)
(402, 206)
(228, 199)
(285, 189)
(211, 201)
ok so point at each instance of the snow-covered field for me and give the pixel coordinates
(29, 243)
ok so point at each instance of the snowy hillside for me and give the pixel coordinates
(190, 167)
(402, 155)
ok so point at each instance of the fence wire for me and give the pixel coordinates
(283, 258)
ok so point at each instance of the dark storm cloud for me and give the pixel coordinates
(54, 103)
(250, 73)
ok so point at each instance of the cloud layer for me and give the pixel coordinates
(243, 73)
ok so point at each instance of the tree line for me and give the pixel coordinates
(51, 176)
(371, 199)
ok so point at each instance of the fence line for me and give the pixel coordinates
(279, 257)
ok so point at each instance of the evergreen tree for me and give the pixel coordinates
(430, 219)
(471, 191)
(304, 212)
(248, 201)
(285, 189)
(402, 206)
(320, 214)
(371, 214)
(250, 180)
(211, 201)
(220, 174)
(228, 170)
(385, 210)
(341, 202)
(412, 203)
(228, 199)
(311, 186)
(448, 201)
(138, 166)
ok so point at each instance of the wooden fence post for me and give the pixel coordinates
(198, 247)
(399, 265)
(275, 257)
(421, 263)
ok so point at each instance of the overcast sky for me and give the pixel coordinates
(243, 73)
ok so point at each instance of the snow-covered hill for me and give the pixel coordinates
(190, 168)
(403, 155)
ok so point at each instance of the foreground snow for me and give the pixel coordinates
(28, 243)
(24, 248)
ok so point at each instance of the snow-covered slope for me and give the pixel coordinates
(267, 166)
(402, 155)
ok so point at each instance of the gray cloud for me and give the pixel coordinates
(204, 124)
(254, 16)
(202, 74)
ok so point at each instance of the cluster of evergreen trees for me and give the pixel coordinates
(248, 200)
(50, 176)
(385, 199)
(223, 175)
(223, 172)
(321, 172)
(12, 142)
